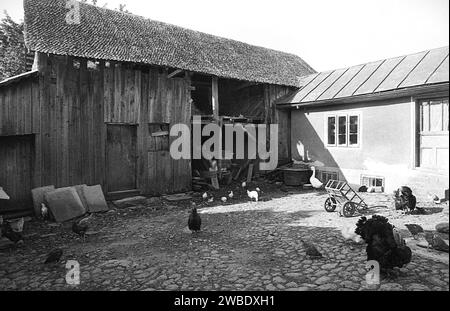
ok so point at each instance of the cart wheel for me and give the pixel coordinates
(349, 209)
(330, 205)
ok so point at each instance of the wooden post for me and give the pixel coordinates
(250, 173)
(215, 97)
(40, 113)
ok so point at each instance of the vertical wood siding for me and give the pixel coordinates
(68, 108)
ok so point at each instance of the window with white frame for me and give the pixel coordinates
(343, 130)
(434, 116)
(331, 125)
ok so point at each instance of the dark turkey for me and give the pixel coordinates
(405, 200)
(382, 245)
(54, 256)
(414, 229)
(81, 226)
(311, 250)
(10, 234)
(194, 222)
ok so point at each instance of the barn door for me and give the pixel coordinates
(16, 169)
(121, 158)
(433, 136)
(160, 163)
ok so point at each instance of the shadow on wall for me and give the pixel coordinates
(308, 146)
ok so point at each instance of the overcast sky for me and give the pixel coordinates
(328, 34)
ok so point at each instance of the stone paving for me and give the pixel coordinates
(243, 246)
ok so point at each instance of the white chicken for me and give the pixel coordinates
(211, 200)
(205, 196)
(434, 198)
(348, 233)
(253, 195)
(244, 184)
(316, 183)
(224, 199)
(231, 195)
(44, 211)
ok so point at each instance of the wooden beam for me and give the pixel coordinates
(245, 85)
(215, 97)
(174, 73)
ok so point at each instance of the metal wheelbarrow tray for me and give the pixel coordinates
(341, 195)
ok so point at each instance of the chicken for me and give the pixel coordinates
(253, 195)
(54, 256)
(10, 234)
(80, 227)
(257, 189)
(44, 211)
(434, 198)
(362, 189)
(436, 242)
(244, 184)
(349, 234)
(383, 243)
(223, 199)
(211, 200)
(311, 250)
(194, 221)
(404, 199)
(414, 229)
(231, 195)
(205, 196)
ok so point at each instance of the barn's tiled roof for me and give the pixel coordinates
(399, 73)
(111, 35)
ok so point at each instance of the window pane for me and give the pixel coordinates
(435, 116)
(342, 136)
(353, 130)
(425, 117)
(331, 130)
(445, 116)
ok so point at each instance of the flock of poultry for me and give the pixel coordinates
(79, 227)
(384, 241)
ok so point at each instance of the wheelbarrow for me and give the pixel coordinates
(341, 195)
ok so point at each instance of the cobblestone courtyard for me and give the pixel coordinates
(243, 246)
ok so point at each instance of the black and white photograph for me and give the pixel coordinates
(225, 153)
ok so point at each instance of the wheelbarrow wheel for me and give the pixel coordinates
(330, 205)
(348, 209)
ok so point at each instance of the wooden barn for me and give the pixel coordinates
(383, 124)
(103, 90)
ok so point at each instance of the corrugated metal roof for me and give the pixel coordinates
(428, 67)
(360, 78)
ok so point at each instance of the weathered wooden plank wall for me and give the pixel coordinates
(16, 169)
(115, 93)
(68, 107)
(16, 109)
(280, 117)
(71, 115)
(169, 103)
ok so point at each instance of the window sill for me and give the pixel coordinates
(342, 147)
